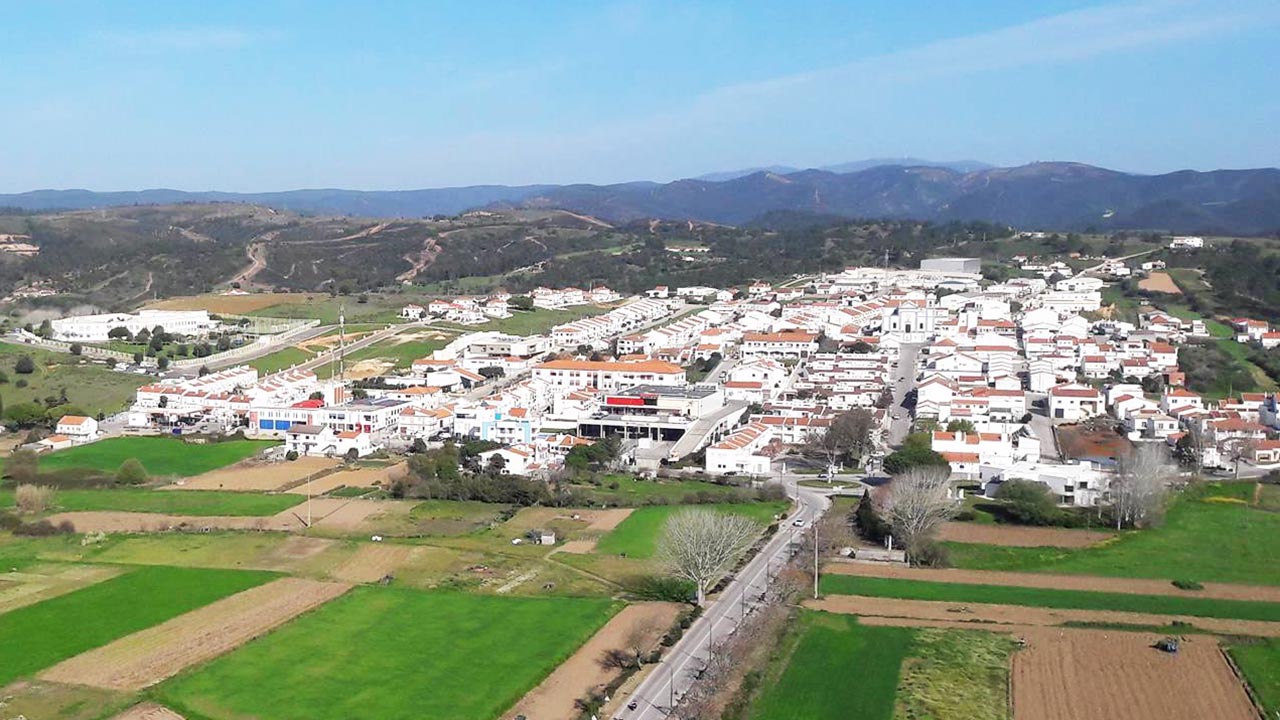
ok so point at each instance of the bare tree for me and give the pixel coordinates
(1141, 484)
(919, 501)
(1240, 449)
(848, 435)
(702, 545)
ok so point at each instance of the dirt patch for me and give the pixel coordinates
(366, 369)
(577, 547)
(362, 477)
(257, 476)
(1085, 674)
(1138, 586)
(18, 589)
(983, 616)
(148, 711)
(134, 522)
(602, 521)
(340, 514)
(1079, 441)
(582, 672)
(152, 655)
(373, 562)
(1016, 536)
(1159, 282)
(231, 304)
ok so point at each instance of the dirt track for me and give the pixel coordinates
(1083, 675)
(982, 616)
(257, 477)
(1095, 583)
(1015, 536)
(147, 657)
(373, 562)
(554, 697)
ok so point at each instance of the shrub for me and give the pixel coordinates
(665, 589)
(1187, 585)
(131, 472)
(33, 499)
(25, 365)
(291, 455)
(44, 528)
(867, 521)
(1029, 503)
(930, 553)
(76, 349)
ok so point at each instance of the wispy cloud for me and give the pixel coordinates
(179, 39)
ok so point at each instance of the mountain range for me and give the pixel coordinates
(1043, 195)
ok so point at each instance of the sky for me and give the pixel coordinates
(276, 95)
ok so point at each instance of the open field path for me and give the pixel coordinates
(644, 623)
(157, 653)
(1094, 583)
(1016, 536)
(984, 616)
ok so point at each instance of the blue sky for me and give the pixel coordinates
(253, 96)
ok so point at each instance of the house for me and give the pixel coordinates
(741, 452)
(1073, 402)
(791, 344)
(413, 312)
(78, 428)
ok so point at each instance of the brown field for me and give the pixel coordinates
(110, 521)
(366, 369)
(1159, 282)
(374, 561)
(983, 616)
(42, 582)
(1017, 536)
(257, 476)
(231, 304)
(362, 477)
(148, 711)
(1076, 441)
(1087, 674)
(1095, 583)
(152, 655)
(344, 514)
(599, 523)
(574, 678)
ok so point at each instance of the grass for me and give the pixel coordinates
(403, 353)
(379, 309)
(1049, 598)
(170, 502)
(1209, 534)
(1260, 663)
(280, 360)
(160, 456)
(831, 645)
(394, 653)
(538, 321)
(637, 536)
(38, 636)
(91, 388)
(956, 674)
(636, 491)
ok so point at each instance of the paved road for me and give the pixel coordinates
(903, 381)
(679, 666)
(1098, 267)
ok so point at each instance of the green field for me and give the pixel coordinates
(1260, 663)
(38, 636)
(634, 491)
(839, 670)
(392, 653)
(637, 536)
(170, 502)
(1049, 598)
(403, 353)
(1209, 534)
(280, 360)
(160, 456)
(538, 321)
(378, 309)
(89, 387)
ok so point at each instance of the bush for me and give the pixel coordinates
(930, 553)
(1029, 503)
(33, 499)
(1187, 585)
(131, 472)
(291, 455)
(76, 349)
(44, 528)
(665, 589)
(25, 365)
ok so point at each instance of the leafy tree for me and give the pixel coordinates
(120, 333)
(915, 452)
(520, 302)
(46, 329)
(137, 358)
(76, 349)
(131, 472)
(25, 415)
(1028, 502)
(958, 426)
(162, 362)
(25, 365)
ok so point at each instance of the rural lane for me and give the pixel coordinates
(682, 663)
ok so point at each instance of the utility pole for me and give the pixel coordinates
(815, 559)
(342, 342)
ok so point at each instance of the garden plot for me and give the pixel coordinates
(1020, 536)
(108, 521)
(362, 477)
(258, 477)
(1086, 674)
(374, 561)
(149, 656)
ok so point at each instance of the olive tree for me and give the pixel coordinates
(701, 545)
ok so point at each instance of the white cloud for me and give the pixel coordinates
(178, 39)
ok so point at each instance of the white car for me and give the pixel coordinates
(798, 523)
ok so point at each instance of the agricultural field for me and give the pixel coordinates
(230, 304)
(398, 350)
(637, 536)
(40, 635)
(1260, 663)
(370, 654)
(88, 386)
(633, 491)
(378, 308)
(160, 456)
(1210, 533)
(538, 321)
(280, 360)
(176, 502)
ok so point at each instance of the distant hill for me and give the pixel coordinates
(1049, 195)
(1059, 195)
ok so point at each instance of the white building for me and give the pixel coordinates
(741, 452)
(95, 328)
